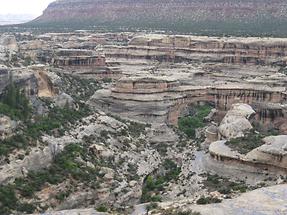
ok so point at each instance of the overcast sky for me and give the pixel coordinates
(34, 7)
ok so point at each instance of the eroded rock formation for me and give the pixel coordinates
(203, 49)
(236, 123)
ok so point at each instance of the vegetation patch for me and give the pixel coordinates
(245, 144)
(57, 118)
(189, 124)
(14, 103)
(153, 185)
(79, 88)
(66, 165)
(207, 200)
(223, 185)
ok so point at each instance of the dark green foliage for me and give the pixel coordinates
(172, 170)
(14, 103)
(107, 80)
(79, 88)
(136, 129)
(151, 206)
(189, 124)
(57, 118)
(26, 208)
(62, 195)
(8, 199)
(102, 208)
(17, 141)
(207, 200)
(154, 184)
(247, 143)
(223, 185)
(65, 166)
(27, 61)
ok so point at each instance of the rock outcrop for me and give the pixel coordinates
(162, 99)
(273, 152)
(263, 201)
(236, 123)
(6, 127)
(8, 46)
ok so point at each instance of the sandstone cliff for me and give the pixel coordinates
(209, 16)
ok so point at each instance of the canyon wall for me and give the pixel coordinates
(163, 100)
(203, 49)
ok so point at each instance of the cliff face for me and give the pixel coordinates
(204, 49)
(208, 16)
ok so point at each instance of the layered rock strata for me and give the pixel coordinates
(163, 100)
(82, 62)
(203, 49)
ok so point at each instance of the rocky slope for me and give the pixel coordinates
(209, 16)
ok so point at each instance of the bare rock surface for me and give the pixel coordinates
(264, 201)
(236, 122)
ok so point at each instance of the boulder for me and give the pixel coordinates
(64, 100)
(236, 122)
(6, 127)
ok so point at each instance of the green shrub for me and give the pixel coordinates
(14, 103)
(189, 124)
(154, 184)
(62, 196)
(102, 208)
(177, 212)
(8, 199)
(26, 207)
(223, 185)
(207, 200)
(17, 141)
(247, 143)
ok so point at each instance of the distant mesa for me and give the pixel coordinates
(218, 17)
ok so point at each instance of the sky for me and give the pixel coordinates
(34, 7)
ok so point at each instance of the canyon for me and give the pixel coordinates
(119, 120)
